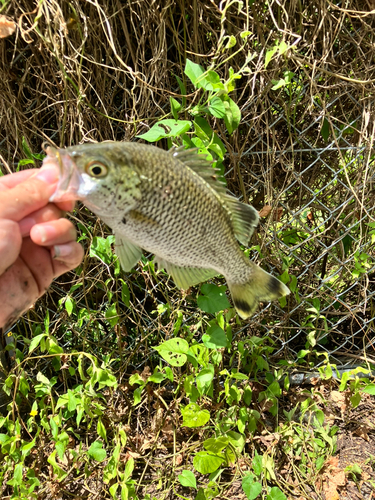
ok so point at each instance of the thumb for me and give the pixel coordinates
(28, 196)
(10, 243)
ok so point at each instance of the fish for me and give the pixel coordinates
(172, 204)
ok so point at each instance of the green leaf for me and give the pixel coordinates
(60, 473)
(212, 81)
(283, 47)
(72, 402)
(216, 107)
(35, 342)
(193, 71)
(276, 494)
(169, 373)
(156, 377)
(187, 479)
(125, 294)
(232, 116)
(166, 128)
(129, 468)
(175, 107)
(69, 305)
(215, 338)
(17, 476)
(247, 395)
(26, 148)
(193, 416)
(111, 315)
(355, 399)
(237, 441)
(27, 447)
(101, 248)
(204, 379)
(97, 452)
(136, 379)
(173, 351)
(110, 470)
(25, 161)
(215, 445)
(213, 299)
(231, 42)
(269, 54)
(325, 130)
(369, 389)
(208, 137)
(60, 448)
(257, 463)
(250, 487)
(320, 462)
(206, 462)
(277, 84)
(101, 430)
(201, 495)
(181, 85)
(137, 395)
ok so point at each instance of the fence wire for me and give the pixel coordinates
(320, 201)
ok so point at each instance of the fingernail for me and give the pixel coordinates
(60, 251)
(25, 225)
(44, 232)
(48, 175)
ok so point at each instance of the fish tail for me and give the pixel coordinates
(260, 287)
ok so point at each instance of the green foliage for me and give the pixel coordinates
(30, 157)
(213, 102)
(174, 351)
(213, 298)
(187, 479)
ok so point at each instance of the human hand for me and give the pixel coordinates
(36, 243)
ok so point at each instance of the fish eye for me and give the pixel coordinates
(96, 169)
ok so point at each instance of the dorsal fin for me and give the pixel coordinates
(200, 166)
(244, 218)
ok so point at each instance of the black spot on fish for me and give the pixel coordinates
(275, 287)
(123, 220)
(243, 306)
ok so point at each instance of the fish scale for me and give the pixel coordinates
(170, 203)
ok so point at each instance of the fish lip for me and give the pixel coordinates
(69, 177)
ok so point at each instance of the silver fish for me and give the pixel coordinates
(170, 203)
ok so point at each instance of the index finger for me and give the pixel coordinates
(11, 180)
(28, 196)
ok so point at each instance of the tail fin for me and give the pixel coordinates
(260, 287)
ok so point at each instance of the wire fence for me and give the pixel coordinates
(323, 226)
(315, 232)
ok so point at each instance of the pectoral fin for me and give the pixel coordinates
(185, 277)
(128, 253)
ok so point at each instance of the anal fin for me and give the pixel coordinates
(185, 277)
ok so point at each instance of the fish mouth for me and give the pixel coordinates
(69, 177)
